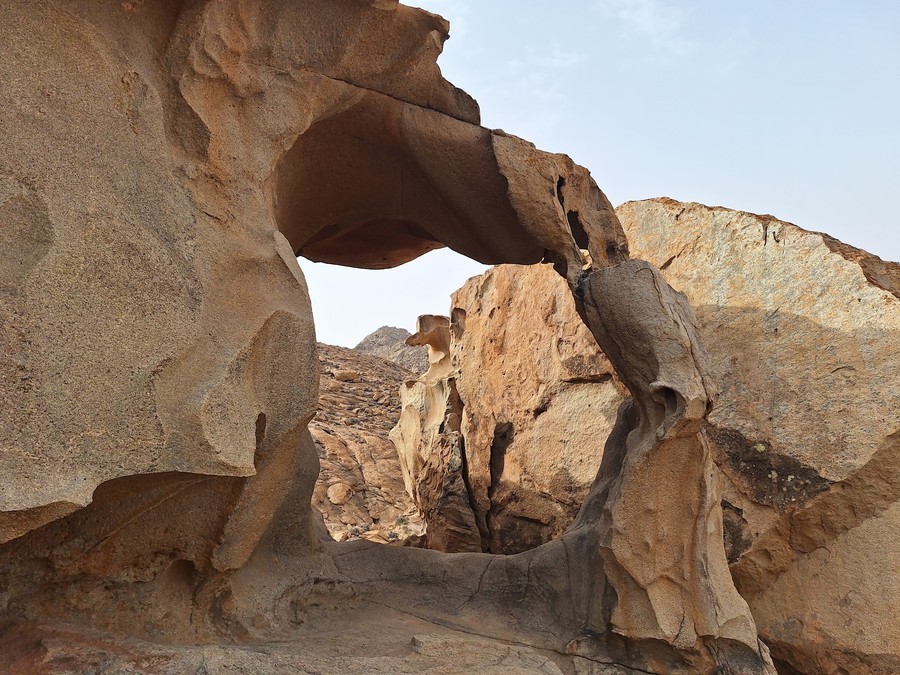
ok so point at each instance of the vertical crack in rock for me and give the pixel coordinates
(504, 433)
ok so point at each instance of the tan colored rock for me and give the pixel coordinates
(343, 375)
(538, 401)
(339, 493)
(803, 304)
(231, 163)
(429, 444)
(802, 332)
(364, 647)
(160, 364)
(806, 549)
(664, 481)
(487, 435)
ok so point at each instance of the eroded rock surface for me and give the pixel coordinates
(430, 445)
(530, 401)
(159, 360)
(527, 367)
(802, 333)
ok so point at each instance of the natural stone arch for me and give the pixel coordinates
(225, 91)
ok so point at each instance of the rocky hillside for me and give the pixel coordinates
(360, 490)
(390, 343)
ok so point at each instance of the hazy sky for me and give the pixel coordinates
(789, 108)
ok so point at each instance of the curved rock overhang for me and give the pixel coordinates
(183, 344)
(384, 181)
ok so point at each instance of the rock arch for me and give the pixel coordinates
(259, 130)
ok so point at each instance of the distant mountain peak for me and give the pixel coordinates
(389, 343)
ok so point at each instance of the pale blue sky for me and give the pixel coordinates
(790, 108)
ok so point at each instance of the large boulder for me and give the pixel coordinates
(802, 333)
(151, 269)
(538, 401)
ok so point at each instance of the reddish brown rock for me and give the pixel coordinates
(360, 488)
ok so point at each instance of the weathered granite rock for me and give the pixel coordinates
(664, 481)
(524, 367)
(233, 144)
(161, 164)
(390, 343)
(430, 446)
(801, 330)
(802, 333)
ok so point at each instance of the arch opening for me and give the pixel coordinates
(382, 182)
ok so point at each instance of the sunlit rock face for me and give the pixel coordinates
(195, 149)
(529, 401)
(431, 446)
(802, 332)
(160, 166)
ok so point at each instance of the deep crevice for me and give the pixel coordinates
(504, 433)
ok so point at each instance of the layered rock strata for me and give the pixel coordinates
(159, 357)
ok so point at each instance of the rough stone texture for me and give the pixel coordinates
(360, 491)
(431, 447)
(227, 138)
(527, 368)
(785, 294)
(161, 164)
(119, 357)
(367, 649)
(390, 343)
(676, 591)
(803, 333)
